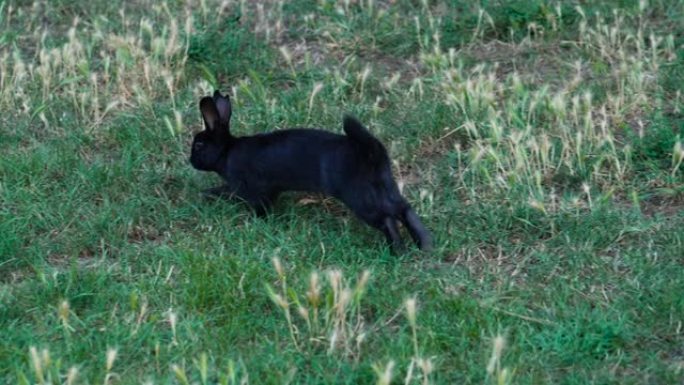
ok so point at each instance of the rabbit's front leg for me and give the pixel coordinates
(260, 204)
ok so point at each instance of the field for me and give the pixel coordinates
(542, 142)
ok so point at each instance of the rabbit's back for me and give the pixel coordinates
(290, 160)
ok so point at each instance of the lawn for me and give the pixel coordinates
(542, 143)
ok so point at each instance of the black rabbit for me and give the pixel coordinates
(354, 169)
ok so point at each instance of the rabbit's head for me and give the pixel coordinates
(210, 145)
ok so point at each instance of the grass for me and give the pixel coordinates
(540, 141)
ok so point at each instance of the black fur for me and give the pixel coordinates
(353, 168)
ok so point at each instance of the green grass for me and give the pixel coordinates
(542, 145)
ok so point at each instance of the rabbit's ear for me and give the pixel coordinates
(209, 113)
(224, 108)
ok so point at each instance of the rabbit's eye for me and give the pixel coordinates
(199, 145)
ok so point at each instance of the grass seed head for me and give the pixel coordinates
(278, 266)
(410, 305)
(333, 340)
(335, 279)
(426, 366)
(677, 156)
(384, 374)
(38, 364)
(63, 312)
(280, 301)
(303, 312)
(111, 357)
(498, 346)
(362, 283)
(180, 374)
(314, 292)
(72, 374)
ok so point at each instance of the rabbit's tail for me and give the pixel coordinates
(366, 142)
(418, 232)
